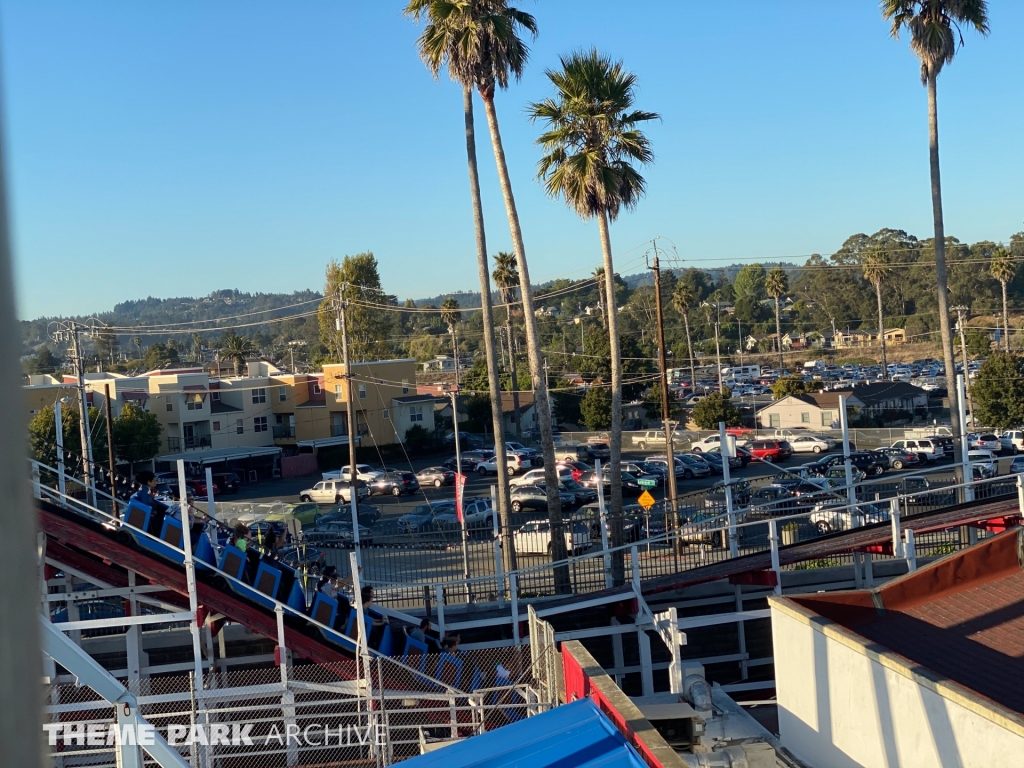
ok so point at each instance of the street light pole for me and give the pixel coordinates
(459, 499)
(666, 413)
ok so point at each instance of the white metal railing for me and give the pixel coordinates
(42, 491)
(721, 525)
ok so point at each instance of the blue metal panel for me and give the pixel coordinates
(576, 735)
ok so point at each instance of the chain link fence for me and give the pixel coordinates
(318, 714)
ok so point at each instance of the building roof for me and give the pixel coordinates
(406, 399)
(576, 734)
(962, 617)
(881, 391)
(828, 400)
(508, 404)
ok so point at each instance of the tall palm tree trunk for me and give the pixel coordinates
(778, 334)
(881, 329)
(542, 404)
(516, 417)
(490, 347)
(689, 351)
(948, 359)
(1006, 320)
(615, 443)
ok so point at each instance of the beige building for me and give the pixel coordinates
(923, 671)
(819, 410)
(45, 390)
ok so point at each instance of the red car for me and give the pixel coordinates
(576, 467)
(770, 450)
(198, 487)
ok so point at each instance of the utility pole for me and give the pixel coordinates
(110, 452)
(960, 323)
(353, 476)
(69, 332)
(666, 414)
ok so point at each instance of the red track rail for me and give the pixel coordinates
(74, 539)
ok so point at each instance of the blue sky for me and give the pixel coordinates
(173, 149)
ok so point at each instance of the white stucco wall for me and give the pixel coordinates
(842, 705)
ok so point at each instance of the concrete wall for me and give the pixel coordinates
(844, 704)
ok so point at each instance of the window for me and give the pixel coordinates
(416, 413)
(259, 396)
(826, 418)
(170, 406)
(405, 386)
(216, 426)
(215, 397)
(282, 394)
(316, 387)
(805, 418)
(385, 414)
(194, 402)
(338, 394)
(239, 427)
(774, 420)
(362, 391)
(259, 424)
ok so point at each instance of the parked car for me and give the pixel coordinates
(489, 466)
(337, 533)
(535, 476)
(985, 441)
(630, 487)
(715, 496)
(583, 494)
(868, 462)
(986, 461)
(536, 460)
(477, 513)
(366, 513)
(536, 497)
(770, 450)
(427, 517)
(601, 451)
(655, 438)
(703, 526)
(829, 517)
(436, 476)
(898, 458)
(534, 538)
(811, 444)
(771, 499)
(1012, 441)
(926, 448)
(735, 462)
(467, 441)
(715, 441)
(364, 472)
(228, 482)
(333, 492)
(395, 483)
(1017, 465)
(919, 490)
(576, 467)
(470, 461)
(696, 464)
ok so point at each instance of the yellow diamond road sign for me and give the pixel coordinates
(646, 500)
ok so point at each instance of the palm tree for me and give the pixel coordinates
(590, 146)
(452, 316)
(197, 347)
(506, 277)
(777, 286)
(1004, 269)
(482, 43)
(683, 300)
(236, 349)
(447, 40)
(933, 40)
(876, 269)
